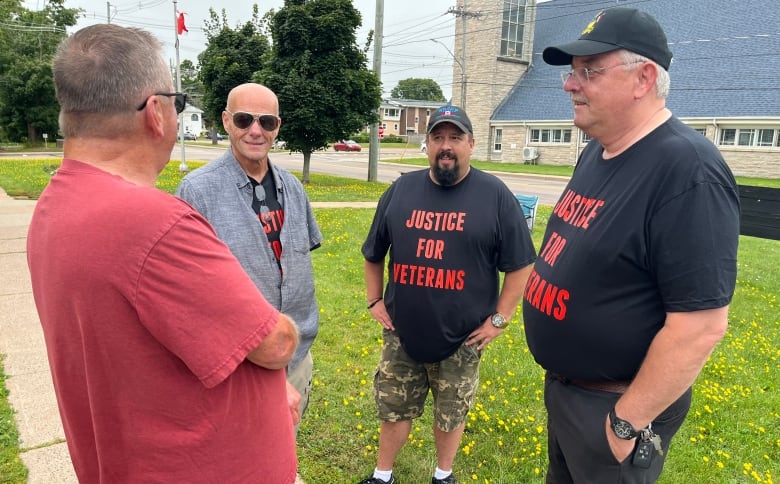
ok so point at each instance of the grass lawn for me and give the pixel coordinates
(732, 434)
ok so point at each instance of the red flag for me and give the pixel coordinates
(180, 27)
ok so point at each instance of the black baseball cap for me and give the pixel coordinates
(450, 114)
(612, 29)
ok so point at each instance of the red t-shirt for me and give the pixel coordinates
(148, 319)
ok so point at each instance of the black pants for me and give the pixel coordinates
(577, 444)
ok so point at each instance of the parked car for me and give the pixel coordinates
(280, 144)
(189, 136)
(218, 136)
(423, 148)
(348, 145)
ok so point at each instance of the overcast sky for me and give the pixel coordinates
(408, 27)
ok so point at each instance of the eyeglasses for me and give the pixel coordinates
(242, 120)
(583, 74)
(180, 100)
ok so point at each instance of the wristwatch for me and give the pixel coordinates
(622, 428)
(499, 321)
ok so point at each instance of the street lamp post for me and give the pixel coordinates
(462, 73)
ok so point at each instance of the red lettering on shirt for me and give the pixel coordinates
(423, 276)
(436, 221)
(547, 298)
(553, 248)
(576, 210)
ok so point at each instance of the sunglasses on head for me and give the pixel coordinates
(179, 101)
(242, 120)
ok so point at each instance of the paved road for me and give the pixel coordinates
(355, 165)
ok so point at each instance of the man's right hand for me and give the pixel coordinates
(276, 350)
(379, 312)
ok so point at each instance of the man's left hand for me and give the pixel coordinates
(294, 402)
(483, 335)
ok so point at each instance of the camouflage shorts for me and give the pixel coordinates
(401, 384)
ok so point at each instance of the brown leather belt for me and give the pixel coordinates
(605, 386)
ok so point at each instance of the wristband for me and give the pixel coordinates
(373, 303)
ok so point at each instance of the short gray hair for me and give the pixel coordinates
(662, 82)
(101, 75)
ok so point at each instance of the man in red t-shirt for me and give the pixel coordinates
(168, 364)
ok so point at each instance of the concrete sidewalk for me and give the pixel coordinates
(31, 392)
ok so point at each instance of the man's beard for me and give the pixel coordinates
(446, 176)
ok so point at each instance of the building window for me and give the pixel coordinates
(755, 137)
(498, 135)
(392, 113)
(550, 135)
(701, 131)
(513, 28)
(584, 138)
(765, 137)
(194, 117)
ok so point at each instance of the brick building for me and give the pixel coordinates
(724, 70)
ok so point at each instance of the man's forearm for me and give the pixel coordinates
(512, 290)
(673, 362)
(374, 280)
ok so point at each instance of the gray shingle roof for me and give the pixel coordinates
(726, 58)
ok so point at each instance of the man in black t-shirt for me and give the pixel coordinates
(449, 230)
(638, 264)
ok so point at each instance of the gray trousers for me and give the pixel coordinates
(577, 445)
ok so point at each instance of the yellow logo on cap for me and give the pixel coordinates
(592, 24)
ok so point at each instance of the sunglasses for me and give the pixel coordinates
(179, 102)
(242, 120)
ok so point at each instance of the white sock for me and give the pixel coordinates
(440, 474)
(384, 475)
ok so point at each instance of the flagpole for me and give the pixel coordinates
(183, 165)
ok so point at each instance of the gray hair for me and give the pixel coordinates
(662, 82)
(101, 75)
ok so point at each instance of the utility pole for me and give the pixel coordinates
(108, 12)
(464, 14)
(183, 165)
(463, 58)
(373, 152)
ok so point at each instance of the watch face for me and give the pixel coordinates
(499, 321)
(623, 430)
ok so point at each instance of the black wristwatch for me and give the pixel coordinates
(499, 321)
(623, 429)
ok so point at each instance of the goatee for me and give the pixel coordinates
(446, 176)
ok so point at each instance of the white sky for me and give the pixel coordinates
(408, 26)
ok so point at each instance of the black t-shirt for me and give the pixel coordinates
(446, 246)
(265, 204)
(651, 231)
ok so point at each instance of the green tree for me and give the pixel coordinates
(28, 41)
(190, 83)
(325, 89)
(231, 58)
(419, 89)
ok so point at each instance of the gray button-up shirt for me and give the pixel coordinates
(222, 192)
